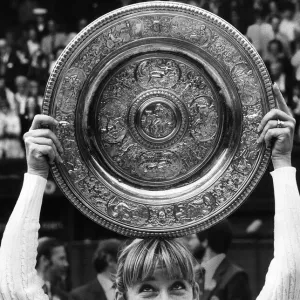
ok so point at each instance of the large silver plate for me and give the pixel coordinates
(163, 102)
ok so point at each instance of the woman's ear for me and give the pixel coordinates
(196, 291)
(44, 262)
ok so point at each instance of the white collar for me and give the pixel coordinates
(210, 268)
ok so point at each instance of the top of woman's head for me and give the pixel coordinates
(139, 260)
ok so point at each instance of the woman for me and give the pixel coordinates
(153, 268)
(158, 269)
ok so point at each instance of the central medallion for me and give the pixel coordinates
(157, 119)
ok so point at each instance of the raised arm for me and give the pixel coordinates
(18, 277)
(283, 277)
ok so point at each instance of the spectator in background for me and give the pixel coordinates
(32, 42)
(82, 23)
(296, 110)
(57, 52)
(274, 51)
(11, 64)
(295, 61)
(10, 127)
(53, 39)
(40, 22)
(22, 103)
(260, 33)
(273, 8)
(260, 5)
(218, 7)
(105, 263)
(52, 267)
(7, 101)
(223, 280)
(275, 21)
(35, 100)
(284, 80)
(288, 26)
(39, 68)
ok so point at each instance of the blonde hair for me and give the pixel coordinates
(138, 261)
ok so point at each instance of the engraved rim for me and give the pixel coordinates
(173, 7)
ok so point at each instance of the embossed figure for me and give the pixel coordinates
(204, 124)
(71, 86)
(158, 165)
(157, 73)
(248, 87)
(158, 122)
(118, 34)
(190, 29)
(112, 123)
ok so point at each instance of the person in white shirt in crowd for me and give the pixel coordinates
(157, 268)
(288, 26)
(105, 264)
(32, 43)
(52, 267)
(260, 33)
(53, 39)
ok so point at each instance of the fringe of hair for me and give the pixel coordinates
(138, 261)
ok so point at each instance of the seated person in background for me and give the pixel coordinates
(284, 80)
(105, 263)
(22, 102)
(275, 52)
(222, 279)
(52, 266)
(275, 22)
(260, 33)
(35, 100)
(7, 101)
(10, 125)
(153, 268)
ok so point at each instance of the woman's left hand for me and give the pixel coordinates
(277, 130)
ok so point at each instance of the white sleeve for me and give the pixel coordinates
(18, 277)
(283, 277)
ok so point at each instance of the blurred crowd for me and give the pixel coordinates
(28, 53)
(26, 60)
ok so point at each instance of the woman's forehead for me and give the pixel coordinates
(160, 272)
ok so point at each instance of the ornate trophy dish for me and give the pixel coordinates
(163, 101)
